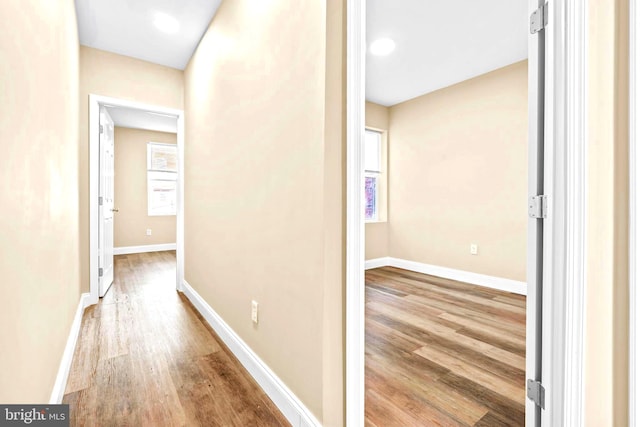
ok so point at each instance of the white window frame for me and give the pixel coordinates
(378, 174)
(381, 174)
(154, 175)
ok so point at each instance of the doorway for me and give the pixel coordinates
(445, 307)
(100, 108)
(556, 229)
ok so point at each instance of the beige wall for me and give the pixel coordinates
(38, 193)
(377, 233)
(108, 74)
(131, 222)
(621, 228)
(607, 216)
(334, 262)
(458, 175)
(263, 187)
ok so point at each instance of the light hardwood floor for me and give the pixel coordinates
(146, 358)
(441, 352)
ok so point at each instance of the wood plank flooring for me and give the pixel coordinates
(146, 358)
(442, 353)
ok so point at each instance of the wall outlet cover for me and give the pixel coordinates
(254, 311)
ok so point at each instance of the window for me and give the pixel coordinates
(373, 175)
(162, 175)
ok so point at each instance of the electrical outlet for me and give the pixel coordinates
(148, 232)
(254, 311)
(473, 249)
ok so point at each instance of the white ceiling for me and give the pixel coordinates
(140, 119)
(126, 27)
(440, 43)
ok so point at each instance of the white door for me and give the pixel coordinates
(105, 202)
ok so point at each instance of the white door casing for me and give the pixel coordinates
(536, 226)
(564, 230)
(105, 204)
(565, 158)
(96, 102)
(356, 48)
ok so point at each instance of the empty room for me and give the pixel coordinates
(445, 165)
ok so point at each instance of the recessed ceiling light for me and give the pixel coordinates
(166, 23)
(381, 47)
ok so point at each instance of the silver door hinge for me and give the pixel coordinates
(101, 129)
(100, 201)
(100, 272)
(538, 207)
(539, 19)
(535, 392)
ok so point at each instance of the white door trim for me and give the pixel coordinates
(634, 212)
(564, 257)
(94, 121)
(356, 49)
(565, 180)
(535, 243)
(576, 212)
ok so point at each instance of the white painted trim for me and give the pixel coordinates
(180, 206)
(553, 243)
(354, 342)
(94, 121)
(492, 282)
(124, 250)
(634, 215)
(564, 253)
(499, 283)
(564, 230)
(533, 227)
(67, 357)
(377, 263)
(288, 403)
(571, 296)
(94, 159)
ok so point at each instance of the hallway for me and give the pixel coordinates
(144, 357)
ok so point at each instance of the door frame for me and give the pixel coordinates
(566, 171)
(565, 232)
(107, 121)
(95, 101)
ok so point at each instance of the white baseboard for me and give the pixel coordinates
(492, 282)
(67, 357)
(377, 263)
(290, 406)
(124, 250)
